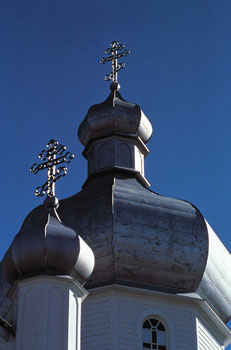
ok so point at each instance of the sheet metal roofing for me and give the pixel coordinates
(114, 116)
(44, 246)
(143, 239)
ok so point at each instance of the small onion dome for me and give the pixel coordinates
(114, 116)
(46, 246)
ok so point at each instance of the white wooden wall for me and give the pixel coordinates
(96, 323)
(112, 320)
(206, 339)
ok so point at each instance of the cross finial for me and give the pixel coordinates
(55, 154)
(116, 51)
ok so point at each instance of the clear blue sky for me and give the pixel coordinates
(179, 72)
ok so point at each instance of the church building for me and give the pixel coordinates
(142, 271)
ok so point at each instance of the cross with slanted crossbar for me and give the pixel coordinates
(56, 154)
(116, 52)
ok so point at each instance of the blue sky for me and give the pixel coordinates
(179, 72)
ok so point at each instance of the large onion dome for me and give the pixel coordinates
(139, 237)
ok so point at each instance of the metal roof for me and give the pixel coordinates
(139, 237)
(45, 246)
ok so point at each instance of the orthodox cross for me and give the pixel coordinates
(116, 51)
(55, 154)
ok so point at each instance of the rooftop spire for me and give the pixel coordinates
(116, 51)
(55, 155)
(44, 245)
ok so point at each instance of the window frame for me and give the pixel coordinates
(154, 327)
(164, 319)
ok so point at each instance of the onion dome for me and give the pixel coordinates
(45, 246)
(139, 238)
(114, 116)
(149, 241)
(114, 134)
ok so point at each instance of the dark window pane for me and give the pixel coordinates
(146, 324)
(153, 336)
(154, 346)
(161, 327)
(162, 347)
(146, 345)
(153, 322)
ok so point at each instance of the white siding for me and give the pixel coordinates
(96, 323)
(206, 340)
(112, 319)
(130, 321)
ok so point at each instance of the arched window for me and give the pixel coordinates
(154, 335)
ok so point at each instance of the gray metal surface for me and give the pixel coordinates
(6, 305)
(45, 246)
(145, 240)
(117, 152)
(139, 238)
(215, 285)
(114, 116)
